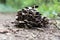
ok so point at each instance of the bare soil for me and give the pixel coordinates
(9, 32)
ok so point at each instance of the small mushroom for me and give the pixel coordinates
(31, 18)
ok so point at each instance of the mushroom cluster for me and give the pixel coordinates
(29, 17)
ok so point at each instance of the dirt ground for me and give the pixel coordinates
(9, 32)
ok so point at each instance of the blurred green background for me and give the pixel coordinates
(49, 8)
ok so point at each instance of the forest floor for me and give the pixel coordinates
(9, 32)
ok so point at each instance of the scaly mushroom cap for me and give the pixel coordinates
(29, 17)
